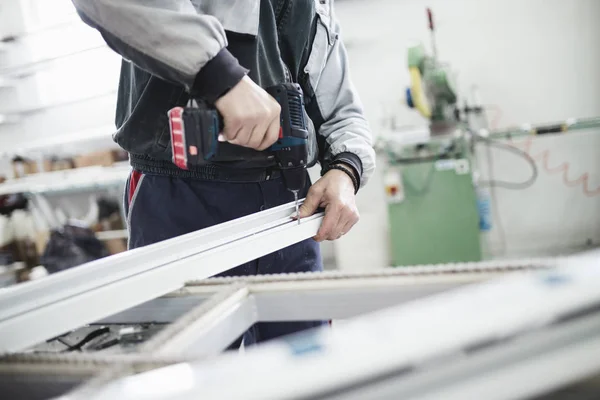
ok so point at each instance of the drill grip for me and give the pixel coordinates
(195, 133)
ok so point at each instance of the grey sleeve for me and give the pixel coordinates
(344, 126)
(167, 38)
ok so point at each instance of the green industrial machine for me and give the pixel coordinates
(439, 210)
(436, 211)
(432, 90)
(432, 202)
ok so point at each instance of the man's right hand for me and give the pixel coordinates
(250, 116)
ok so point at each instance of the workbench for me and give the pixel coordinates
(506, 329)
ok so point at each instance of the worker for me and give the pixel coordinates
(225, 53)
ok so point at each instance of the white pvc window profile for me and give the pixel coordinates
(41, 309)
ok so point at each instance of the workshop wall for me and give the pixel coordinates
(533, 61)
(59, 79)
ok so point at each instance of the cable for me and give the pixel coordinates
(544, 156)
(490, 143)
(504, 184)
(88, 338)
(425, 159)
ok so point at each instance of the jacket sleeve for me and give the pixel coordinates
(168, 39)
(346, 133)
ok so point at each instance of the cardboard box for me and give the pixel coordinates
(23, 167)
(115, 246)
(104, 158)
(46, 166)
(62, 164)
(26, 251)
(97, 158)
(41, 240)
(112, 223)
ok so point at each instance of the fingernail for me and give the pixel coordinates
(221, 138)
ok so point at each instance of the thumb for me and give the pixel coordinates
(311, 203)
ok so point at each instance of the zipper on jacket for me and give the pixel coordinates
(282, 13)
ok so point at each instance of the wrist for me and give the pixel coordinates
(344, 170)
(218, 76)
(347, 168)
(351, 161)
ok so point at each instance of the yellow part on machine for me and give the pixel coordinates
(418, 94)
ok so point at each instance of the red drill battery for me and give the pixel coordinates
(194, 135)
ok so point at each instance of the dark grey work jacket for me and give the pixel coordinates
(174, 49)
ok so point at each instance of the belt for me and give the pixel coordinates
(210, 172)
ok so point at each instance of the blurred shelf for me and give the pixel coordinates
(45, 145)
(64, 103)
(30, 67)
(70, 19)
(8, 119)
(69, 181)
(7, 83)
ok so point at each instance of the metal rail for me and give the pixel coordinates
(41, 309)
(559, 127)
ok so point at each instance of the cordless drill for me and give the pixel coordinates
(195, 137)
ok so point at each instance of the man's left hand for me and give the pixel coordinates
(334, 192)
